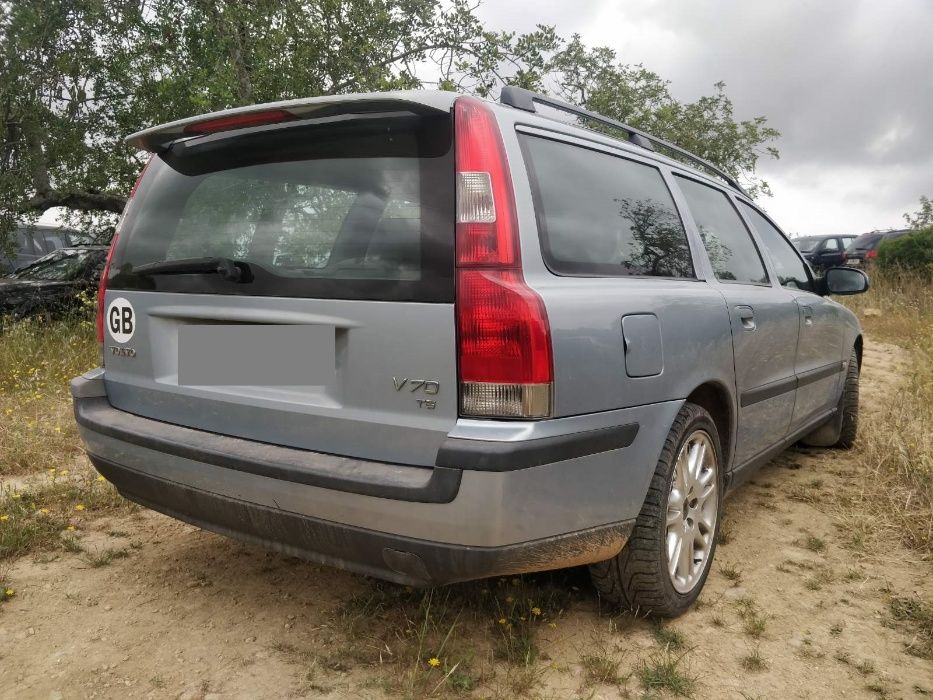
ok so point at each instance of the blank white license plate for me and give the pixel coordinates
(255, 355)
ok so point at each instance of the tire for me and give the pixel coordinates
(639, 577)
(840, 431)
(848, 405)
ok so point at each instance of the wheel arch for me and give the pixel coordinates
(717, 400)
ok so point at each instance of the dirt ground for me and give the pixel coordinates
(796, 607)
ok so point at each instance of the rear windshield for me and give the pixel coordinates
(866, 241)
(351, 209)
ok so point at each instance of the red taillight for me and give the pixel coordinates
(102, 289)
(871, 254)
(503, 337)
(239, 121)
(105, 273)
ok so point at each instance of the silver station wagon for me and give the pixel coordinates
(431, 338)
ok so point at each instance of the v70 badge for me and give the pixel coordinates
(426, 386)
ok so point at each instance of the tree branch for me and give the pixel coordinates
(84, 201)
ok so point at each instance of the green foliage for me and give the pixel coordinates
(911, 252)
(923, 217)
(78, 76)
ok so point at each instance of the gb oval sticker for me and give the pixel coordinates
(121, 320)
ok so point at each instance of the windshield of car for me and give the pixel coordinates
(62, 266)
(806, 244)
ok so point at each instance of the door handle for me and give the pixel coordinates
(746, 315)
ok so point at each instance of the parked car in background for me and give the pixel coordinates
(432, 338)
(33, 242)
(52, 284)
(865, 248)
(823, 251)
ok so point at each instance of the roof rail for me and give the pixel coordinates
(520, 98)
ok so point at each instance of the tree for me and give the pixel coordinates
(77, 76)
(923, 217)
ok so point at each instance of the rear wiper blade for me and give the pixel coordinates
(232, 270)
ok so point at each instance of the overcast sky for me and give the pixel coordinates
(849, 83)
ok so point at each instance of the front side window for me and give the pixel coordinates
(604, 215)
(730, 247)
(790, 269)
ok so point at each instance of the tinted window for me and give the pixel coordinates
(728, 243)
(866, 241)
(352, 210)
(600, 214)
(790, 269)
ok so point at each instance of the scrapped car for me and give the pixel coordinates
(53, 283)
(864, 249)
(432, 338)
(31, 243)
(823, 252)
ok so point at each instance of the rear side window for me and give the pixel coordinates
(730, 247)
(603, 215)
(790, 269)
(353, 209)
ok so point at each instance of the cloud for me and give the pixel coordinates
(847, 82)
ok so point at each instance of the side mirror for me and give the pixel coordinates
(844, 280)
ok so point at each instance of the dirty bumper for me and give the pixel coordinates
(387, 556)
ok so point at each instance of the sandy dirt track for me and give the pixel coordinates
(188, 614)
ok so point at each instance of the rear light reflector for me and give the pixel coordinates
(102, 291)
(503, 337)
(105, 272)
(871, 254)
(239, 121)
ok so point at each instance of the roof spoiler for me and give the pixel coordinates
(160, 138)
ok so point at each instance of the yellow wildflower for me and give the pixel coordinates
(71, 528)
(16, 495)
(502, 620)
(4, 518)
(44, 511)
(100, 478)
(434, 662)
(64, 472)
(536, 611)
(79, 507)
(9, 592)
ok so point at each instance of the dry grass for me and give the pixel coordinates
(895, 447)
(43, 516)
(37, 360)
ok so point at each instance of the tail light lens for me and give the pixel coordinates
(871, 254)
(102, 290)
(503, 337)
(105, 273)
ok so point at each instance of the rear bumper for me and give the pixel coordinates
(391, 557)
(409, 524)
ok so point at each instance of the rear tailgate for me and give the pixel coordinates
(336, 333)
